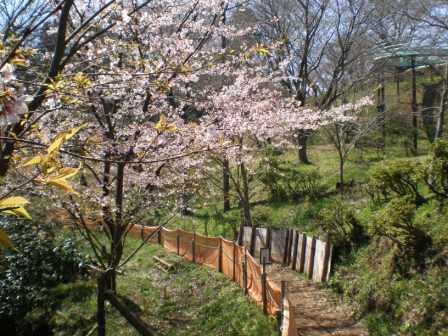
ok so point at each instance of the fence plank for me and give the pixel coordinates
(282, 305)
(326, 261)
(302, 254)
(311, 258)
(285, 252)
(296, 246)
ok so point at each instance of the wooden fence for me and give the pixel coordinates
(232, 260)
(305, 254)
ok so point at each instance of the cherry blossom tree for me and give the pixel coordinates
(245, 116)
(130, 90)
(13, 107)
(348, 128)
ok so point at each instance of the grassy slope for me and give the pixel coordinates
(197, 301)
(191, 300)
(212, 221)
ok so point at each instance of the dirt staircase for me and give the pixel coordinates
(318, 311)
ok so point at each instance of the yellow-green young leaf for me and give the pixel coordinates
(71, 132)
(61, 138)
(5, 241)
(261, 50)
(56, 144)
(164, 126)
(12, 202)
(82, 80)
(61, 183)
(19, 212)
(33, 161)
(67, 172)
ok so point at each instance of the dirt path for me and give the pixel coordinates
(318, 312)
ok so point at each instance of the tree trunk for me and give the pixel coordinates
(55, 68)
(226, 185)
(443, 102)
(245, 202)
(117, 241)
(341, 176)
(381, 108)
(414, 109)
(302, 139)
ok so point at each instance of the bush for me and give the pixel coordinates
(395, 179)
(391, 304)
(302, 183)
(28, 275)
(262, 216)
(269, 173)
(340, 222)
(435, 171)
(287, 181)
(395, 222)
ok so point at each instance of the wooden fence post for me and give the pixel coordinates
(193, 248)
(285, 252)
(294, 255)
(269, 242)
(326, 261)
(290, 247)
(178, 242)
(312, 256)
(264, 288)
(234, 262)
(278, 317)
(291, 237)
(281, 313)
(159, 237)
(302, 254)
(101, 310)
(245, 271)
(220, 255)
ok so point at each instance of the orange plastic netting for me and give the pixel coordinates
(229, 258)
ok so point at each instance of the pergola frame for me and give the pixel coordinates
(399, 58)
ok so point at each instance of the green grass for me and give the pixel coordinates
(212, 221)
(190, 300)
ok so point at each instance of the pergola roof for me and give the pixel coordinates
(402, 57)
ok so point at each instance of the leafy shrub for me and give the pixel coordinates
(396, 223)
(287, 181)
(390, 303)
(435, 171)
(29, 274)
(395, 179)
(340, 222)
(261, 216)
(270, 173)
(301, 183)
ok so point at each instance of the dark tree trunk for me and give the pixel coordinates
(341, 176)
(442, 108)
(302, 139)
(226, 185)
(55, 68)
(381, 108)
(414, 109)
(245, 202)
